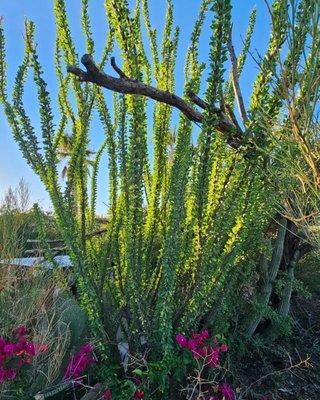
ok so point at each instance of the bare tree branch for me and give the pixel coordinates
(126, 85)
(199, 102)
(232, 116)
(94, 393)
(117, 69)
(235, 81)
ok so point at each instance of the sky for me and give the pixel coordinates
(12, 166)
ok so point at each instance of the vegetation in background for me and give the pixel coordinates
(18, 223)
(196, 238)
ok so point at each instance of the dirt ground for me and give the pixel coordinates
(289, 369)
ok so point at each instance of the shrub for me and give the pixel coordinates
(186, 229)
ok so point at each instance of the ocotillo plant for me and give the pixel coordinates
(185, 229)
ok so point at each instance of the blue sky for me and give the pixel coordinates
(12, 166)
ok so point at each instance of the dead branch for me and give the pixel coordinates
(95, 393)
(59, 250)
(117, 69)
(127, 85)
(235, 81)
(302, 363)
(232, 116)
(199, 102)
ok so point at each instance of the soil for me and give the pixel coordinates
(289, 369)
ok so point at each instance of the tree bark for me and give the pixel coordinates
(126, 85)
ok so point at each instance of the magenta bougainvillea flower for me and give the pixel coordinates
(209, 350)
(15, 354)
(107, 395)
(9, 349)
(223, 348)
(80, 362)
(7, 374)
(20, 331)
(87, 348)
(213, 357)
(30, 348)
(182, 341)
(200, 347)
(227, 392)
(139, 394)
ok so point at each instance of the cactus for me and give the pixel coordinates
(284, 305)
(72, 316)
(270, 270)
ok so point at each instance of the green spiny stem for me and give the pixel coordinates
(273, 268)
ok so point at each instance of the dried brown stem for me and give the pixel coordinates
(95, 393)
(235, 81)
(196, 99)
(127, 85)
(303, 363)
(117, 69)
(232, 116)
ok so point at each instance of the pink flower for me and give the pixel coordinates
(87, 348)
(22, 340)
(20, 346)
(182, 341)
(2, 343)
(9, 349)
(10, 374)
(107, 395)
(226, 391)
(20, 331)
(223, 348)
(214, 357)
(264, 398)
(192, 344)
(139, 394)
(198, 338)
(79, 363)
(13, 351)
(205, 334)
(197, 345)
(196, 349)
(7, 374)
(30, 348)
